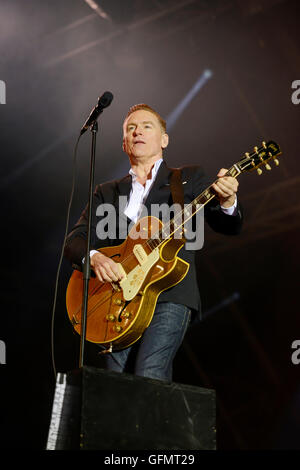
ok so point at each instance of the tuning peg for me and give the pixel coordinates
(255, 149)
(276, 161)
(268, 166)
(247, 154)
(264, 145)
(259, 171)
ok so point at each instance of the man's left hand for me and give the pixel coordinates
(226, 188)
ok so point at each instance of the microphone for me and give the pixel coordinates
(103, 102)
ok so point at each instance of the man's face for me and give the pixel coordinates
(143, 137)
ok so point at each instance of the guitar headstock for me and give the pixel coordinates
(260, 156)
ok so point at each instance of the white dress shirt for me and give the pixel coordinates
(139, 193)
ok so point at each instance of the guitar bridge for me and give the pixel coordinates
(115, 286)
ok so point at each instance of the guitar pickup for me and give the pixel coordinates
(140, 254)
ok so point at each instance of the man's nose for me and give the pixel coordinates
(137, 130)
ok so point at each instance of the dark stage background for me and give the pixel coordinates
(56, 58)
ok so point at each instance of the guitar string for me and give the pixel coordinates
(194, 209)
(131, 256)
(192, 204)
(96, 288)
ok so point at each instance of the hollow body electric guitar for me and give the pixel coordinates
(119, 313)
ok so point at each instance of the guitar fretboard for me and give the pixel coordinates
(177, 223)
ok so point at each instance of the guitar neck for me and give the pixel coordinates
(208, 194)
(261, 156)
(176, 224)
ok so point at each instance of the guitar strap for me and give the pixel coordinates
(177, 188)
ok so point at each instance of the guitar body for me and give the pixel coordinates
(118, 315)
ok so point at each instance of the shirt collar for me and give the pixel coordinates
(154, 170)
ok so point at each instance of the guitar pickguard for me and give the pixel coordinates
(134, 280)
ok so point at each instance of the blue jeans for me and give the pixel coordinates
(154, 353)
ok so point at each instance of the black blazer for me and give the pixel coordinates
(187, 291)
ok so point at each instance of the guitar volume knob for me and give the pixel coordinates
(110, 317)
(126, 314)
(118, 328)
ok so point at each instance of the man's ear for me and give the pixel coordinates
(123, 145)
(164, 141)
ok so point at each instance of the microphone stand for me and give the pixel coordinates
(87, 263)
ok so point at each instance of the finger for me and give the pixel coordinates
(228, 180)
(116, 269)
(120, 273)
(110, 266)
(222, 172)
(223, 190)
(110, 272)
(96, 259)
(98, 274)
(107, 268)
(106, 276)
(226, 187)
(101, 273)
(230, 184)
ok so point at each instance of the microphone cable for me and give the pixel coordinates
(62, 255)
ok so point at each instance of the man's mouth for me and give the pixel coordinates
(139, 142)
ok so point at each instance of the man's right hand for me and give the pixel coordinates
(105, 268)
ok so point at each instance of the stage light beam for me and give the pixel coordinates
(183, 104)
(97, 9)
